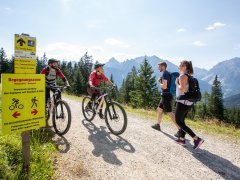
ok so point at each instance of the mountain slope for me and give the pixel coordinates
(232, 101)
(229, 74)
(121, 69)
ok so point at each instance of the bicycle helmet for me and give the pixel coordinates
(52, 60)
(97, 65)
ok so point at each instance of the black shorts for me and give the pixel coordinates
(166, 103)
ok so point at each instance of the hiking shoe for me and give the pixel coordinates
(177, 135)
(181, 142)
(157, 127)
(198, 143)
(101, 115)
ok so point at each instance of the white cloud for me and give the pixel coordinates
(181, 30)
(116, 42)
(199, 43)
(215, 25)
(63, 50)
(8, 9)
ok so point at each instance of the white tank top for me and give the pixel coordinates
(179, 93)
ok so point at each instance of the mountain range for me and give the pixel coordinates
(228, 72)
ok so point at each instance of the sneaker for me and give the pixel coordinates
(177, 135)
(156, 126)
(181, 142)
(198, 143)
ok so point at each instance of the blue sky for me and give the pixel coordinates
(206, 31)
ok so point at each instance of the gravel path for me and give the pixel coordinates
(89, 151)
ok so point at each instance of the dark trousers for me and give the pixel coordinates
(180, 115)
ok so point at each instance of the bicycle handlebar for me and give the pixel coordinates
(104, 88)
(56, 87)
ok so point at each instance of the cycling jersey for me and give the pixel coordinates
(51, 74)
(96, 79)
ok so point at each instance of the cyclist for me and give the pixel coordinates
(95, 78)
(52, 71)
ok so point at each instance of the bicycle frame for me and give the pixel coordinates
(101, 99)
(108, 101)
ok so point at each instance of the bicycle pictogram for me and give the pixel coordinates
(15, 104)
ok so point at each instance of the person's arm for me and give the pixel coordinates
(164, 84)
(44, 71)
(164, 81)
(181, 83)
(90, 79)
(61, 76)
(106, 79)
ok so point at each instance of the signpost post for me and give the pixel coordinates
(23, 95)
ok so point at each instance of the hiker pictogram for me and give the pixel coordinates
(15, 104)
(34, 102)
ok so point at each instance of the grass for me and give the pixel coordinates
(41, 156)
(42, 150)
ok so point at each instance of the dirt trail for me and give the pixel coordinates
(89, 151)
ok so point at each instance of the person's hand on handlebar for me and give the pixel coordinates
(67, 84)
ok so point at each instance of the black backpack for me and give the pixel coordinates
(194, 93)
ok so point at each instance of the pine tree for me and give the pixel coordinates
(122, 93)
(78, 85)
(42, 62)
(216, 100)
(146, 93)
(3, 61)
(113, 93)
(128, 85)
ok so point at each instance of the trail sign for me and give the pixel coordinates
(25, 54)
(23, 97)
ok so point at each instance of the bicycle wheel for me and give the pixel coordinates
(115, 118)
(61, 117)
(87, 108)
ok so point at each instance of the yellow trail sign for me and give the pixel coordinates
(25, 43)
(25, 66)
(23, 102)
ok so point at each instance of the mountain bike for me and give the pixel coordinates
(114, 114)
(61, 113)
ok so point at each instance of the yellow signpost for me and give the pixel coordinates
(24, 102)
(25, 54)
(25, 65)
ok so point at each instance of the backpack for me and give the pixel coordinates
(194, 93)
(174, 76)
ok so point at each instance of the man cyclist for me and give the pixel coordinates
(52, 71)
(95, 78)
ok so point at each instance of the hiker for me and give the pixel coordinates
(184, 105)
(165, 104)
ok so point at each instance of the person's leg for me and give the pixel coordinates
(159, 116)
(47, 95)
(167, 103)
(181, 112)
(98, 94)
(172, 116)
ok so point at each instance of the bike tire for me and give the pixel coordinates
(85, 100)
(107, 112)
(64, 103)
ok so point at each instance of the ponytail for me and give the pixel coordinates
(189, 66)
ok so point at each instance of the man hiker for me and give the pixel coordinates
(165, 104)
